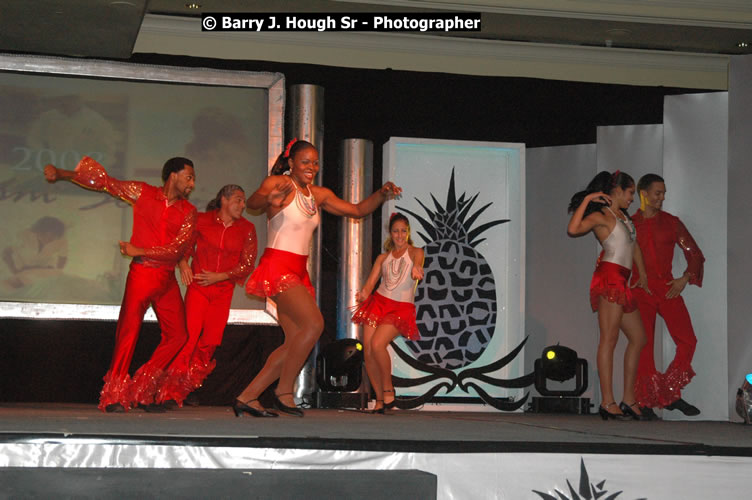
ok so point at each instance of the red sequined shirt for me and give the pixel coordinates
(657, 237)
(163, 230)
(224, 249)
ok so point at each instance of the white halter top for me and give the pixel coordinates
(292, 227)
(396, 280)
(619, 245)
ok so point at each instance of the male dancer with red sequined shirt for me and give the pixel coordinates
(224, 256)
(658, 232)
(163, 224)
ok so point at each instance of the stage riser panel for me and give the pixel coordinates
(102, 484)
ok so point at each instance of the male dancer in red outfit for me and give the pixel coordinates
(658, 232)
(163, 224)
(224, 257)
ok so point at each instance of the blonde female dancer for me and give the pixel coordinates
(390, 311)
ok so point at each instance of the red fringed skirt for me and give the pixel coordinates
(611, 281)
(377, 310)
(278, 271)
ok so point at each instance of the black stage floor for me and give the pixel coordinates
(413, 431)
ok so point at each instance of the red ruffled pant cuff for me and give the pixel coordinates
(660, 390)
(178, 383)
(145, 384)
(114, 391)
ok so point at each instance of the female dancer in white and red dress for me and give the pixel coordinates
(602, 208)
(390, 311)
(292, 206)
(224, 256)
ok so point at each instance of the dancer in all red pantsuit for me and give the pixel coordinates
(224, 256)
(390, 310)
(163, 223)
(658, 233)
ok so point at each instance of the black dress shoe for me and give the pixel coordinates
(191, 400)
(290, 410)
(240, 408)
(152, 408)
(171, 404)
(114, 408)
(648, 413)
(684, 407)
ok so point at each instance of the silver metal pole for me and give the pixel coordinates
(355, 241)
(305, 119)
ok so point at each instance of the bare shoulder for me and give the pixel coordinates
(597, 217)
(320, 191)
(273, 180)
(416, 254)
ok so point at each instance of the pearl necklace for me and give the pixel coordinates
(395, 272)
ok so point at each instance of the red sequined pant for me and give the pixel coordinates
(207, 309)
(144, 286)
(653, 388)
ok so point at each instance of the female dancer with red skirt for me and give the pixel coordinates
(224, 256)
(390, 311)
(292, 204)
(602, 209)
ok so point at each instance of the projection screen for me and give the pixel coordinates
(59, 242)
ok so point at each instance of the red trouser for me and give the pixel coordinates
(207, 309)
(653, 388)
(144, 286)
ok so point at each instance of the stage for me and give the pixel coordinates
(466, 454)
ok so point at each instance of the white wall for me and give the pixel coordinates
(740, 236)
(559, 268)
(695, 150)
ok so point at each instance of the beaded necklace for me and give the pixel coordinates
(306, 204)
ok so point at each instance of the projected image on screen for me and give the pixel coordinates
(59, 242)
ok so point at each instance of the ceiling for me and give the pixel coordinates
(109, 28)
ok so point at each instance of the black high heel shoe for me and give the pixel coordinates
(391, 404)
(605, 414)
(290, 410)
(379, 411)
(239, 408)
(627, 410)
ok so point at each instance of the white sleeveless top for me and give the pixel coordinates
(619, 245)
(292, 227)
(396, 281)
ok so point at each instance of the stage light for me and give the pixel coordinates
(560, 363)
(339, 366)
(744, 400)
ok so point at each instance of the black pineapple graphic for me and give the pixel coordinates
(456, 301)
(586, 489)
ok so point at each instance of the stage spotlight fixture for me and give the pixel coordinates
(744, 400)
(560, 363)
(339, 366)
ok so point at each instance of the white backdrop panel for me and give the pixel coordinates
(559, 268)
(695, 169)
(490, 173)
(740, 239)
